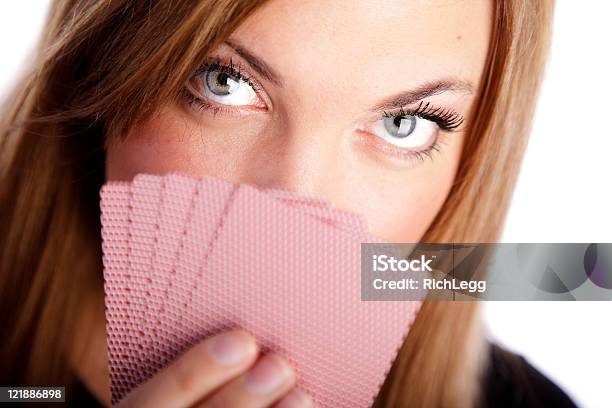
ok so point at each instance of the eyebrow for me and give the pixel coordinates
(257, 63)
(426, 90)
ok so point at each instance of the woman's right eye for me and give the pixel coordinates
(225, 86)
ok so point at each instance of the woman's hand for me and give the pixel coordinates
(221, 371)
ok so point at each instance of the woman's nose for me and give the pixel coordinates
(304, 161)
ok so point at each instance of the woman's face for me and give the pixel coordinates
(361, 102)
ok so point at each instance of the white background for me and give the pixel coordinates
(564, 192)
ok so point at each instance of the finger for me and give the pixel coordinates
(198, 372)
(269, 380)
(295, 399)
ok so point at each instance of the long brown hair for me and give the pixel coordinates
(103, 66)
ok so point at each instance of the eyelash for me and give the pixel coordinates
(406, 155)
(229, 69)
(426, 153)
(202, 104)
(446, 119)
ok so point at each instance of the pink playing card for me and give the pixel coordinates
(176, 203)
(143, 219)
(122, 334)
(321, 210)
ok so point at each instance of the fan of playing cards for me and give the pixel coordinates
(186, 258)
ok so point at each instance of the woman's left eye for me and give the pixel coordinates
(224, 86)
(406, 131)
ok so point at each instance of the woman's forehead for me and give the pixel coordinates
(380, 42)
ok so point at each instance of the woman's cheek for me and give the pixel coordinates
(404, 220)
(401, 205)
(174, 141)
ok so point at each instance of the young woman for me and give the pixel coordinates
(414, 114)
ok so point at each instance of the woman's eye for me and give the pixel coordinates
(225, 88)
(406, 131)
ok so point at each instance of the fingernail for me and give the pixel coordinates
(269, 373)
(231, 348)
(295, 399)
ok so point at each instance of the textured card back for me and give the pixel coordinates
(143, 219)
(122, 332)
(175, 208)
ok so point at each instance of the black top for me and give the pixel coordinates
(509, 382)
